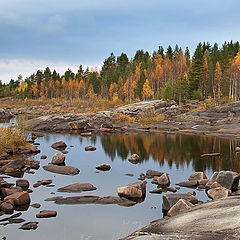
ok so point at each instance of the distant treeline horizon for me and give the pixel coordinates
(212, 72)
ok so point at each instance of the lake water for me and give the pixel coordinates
(177, 155)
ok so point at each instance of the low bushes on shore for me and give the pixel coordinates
(11, 138)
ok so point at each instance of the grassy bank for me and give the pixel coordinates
(11, 138)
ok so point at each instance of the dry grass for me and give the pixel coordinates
(123, 118)
(61, 105)
(151, 119)
(11, 138)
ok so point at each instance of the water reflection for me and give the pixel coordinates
(174, 149)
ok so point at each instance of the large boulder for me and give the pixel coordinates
(67, 170)
(77, 187)
(18, 198)
(219, 192)
(58, 159)
(172, 198)
(227, 179)
(179, 207)
(133, 191)
(163, 180)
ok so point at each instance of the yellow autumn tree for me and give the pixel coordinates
(218, 81)
(147, 92)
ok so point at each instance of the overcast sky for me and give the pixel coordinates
(64, 34)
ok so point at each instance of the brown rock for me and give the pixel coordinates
(32, 164)
(192, 193)
(215, 185)
(158, 190)
(86, 134)
(58, 159)
(170, 199)
(16, 220)
(103, 167)
(36, 205)
(90, 148)
(30, 149)
(7, 207)
(227, 179)
(197, 176)
(180, 206)
(202, 183)
(77, 187)
(59, 145)
(67, 170)
(43, 157)
(171, 189)
(9, 191)
(219, 192)
(13, 166)
(46, 214)
(19, 198)
(23, 183)
(151, 173)
(163, 180)
(29, 226)
(192, 183)
(130, 192)
(134, 159)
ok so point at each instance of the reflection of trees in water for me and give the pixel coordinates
(174, 149)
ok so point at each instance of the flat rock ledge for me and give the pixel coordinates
(67, 170)
(217, 219)
(95, 120)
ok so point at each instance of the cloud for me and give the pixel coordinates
(10, 69)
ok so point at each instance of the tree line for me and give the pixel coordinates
(212, 72)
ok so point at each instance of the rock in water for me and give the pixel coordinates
(77, 187)
(197, 176)
(59, 145)
(134, 159)
(23, 183)
(163, 180)
(67, 170)
(170, 199)
(46, 214)
(90, 148)
(58, 159)
(19, 198)
(219, 192)
(29, 226)
(103, 167)
(227, 179)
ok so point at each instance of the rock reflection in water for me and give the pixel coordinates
(174, 148)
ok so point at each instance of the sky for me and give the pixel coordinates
(64, 34)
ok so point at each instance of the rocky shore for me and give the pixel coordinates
(222, 121)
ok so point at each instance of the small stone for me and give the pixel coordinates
(23, 183)
(36, 205)
(129, 174)
(90, 148)
(46, 214)
(192, 183)
(16, 220)
(158, 190)
(193, 193)
(43, 157)
(172, 189)
(29, 226)
(103, 167)
(134, 159)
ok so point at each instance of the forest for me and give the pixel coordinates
(212, 72)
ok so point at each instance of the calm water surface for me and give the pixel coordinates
(178, 155)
